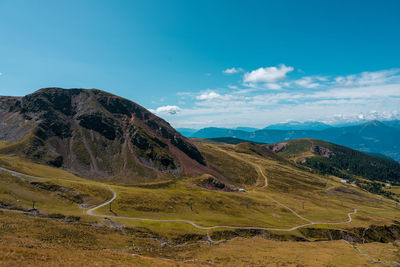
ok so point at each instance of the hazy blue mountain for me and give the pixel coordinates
(214, 132)
(229, 140)
(296, 125)
(187, 132)
(246, 129)
(211, 131)
(393, 123)
(370, 137)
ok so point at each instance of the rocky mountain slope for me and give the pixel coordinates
(96, 134)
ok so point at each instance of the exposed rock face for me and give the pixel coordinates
(322, 151)
(212, 183)
(94, 133)
(278, 147)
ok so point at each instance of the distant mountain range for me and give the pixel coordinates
(370, 137)
(394, 123)
(188, 132)
(296, 125)
(246, 129)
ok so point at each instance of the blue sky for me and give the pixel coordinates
(212, 63)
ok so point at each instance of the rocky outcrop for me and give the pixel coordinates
(94, 133)
(322, 151)
(212, 183)
(279, 147)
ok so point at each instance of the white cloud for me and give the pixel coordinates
(172, 110)
(367, 95)
(232, 70)
(368, 78)
(267, 75)
(309, 82)
(234, 87)
(243, 91)
(359, 92)
(273, 86)
(208, 95)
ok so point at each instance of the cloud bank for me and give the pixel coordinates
(331, 99)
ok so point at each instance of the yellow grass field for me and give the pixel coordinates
(278, 196)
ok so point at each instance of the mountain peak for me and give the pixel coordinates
(94, 133)
(296, 125)
(375, 123)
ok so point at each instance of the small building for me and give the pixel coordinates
(344, 181)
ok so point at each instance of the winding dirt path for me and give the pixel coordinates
(311, 223)
(263, 175)
(26, 177)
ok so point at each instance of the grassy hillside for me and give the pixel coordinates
(366, 171)
(35, 241)
(23, 242)
(279, 195)
(339, 160)
(324, 197)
